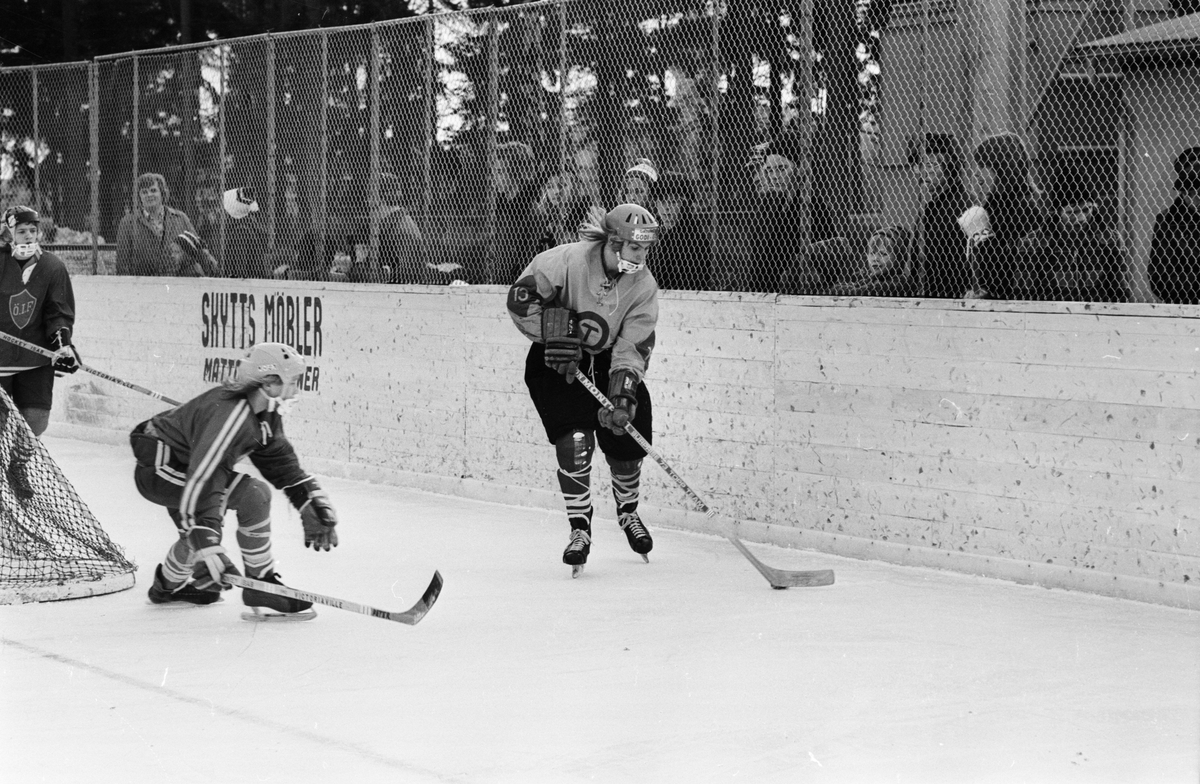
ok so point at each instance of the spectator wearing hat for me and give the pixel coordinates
(191, 257)
(41, 310)
(784, 227)
(680, 257)
(639, 183)
(1074, 255)
(1010, 210)
(145, 235)
(1174, 265)
(941, 249)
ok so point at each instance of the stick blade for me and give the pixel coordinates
(782, 578)
(413, 615)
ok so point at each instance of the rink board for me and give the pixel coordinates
(1050, 443)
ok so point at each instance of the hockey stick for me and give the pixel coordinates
(45, 352)
(778, 578)
(411, 616)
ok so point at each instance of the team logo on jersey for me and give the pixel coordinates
(21, 307)
(593, 328)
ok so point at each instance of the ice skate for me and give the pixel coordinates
(576, 554)
(635, 531)
(159, 593)
(269, 607)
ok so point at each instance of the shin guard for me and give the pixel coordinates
(574, 452)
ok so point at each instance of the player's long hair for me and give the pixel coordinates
(245, 386)
(592, 229)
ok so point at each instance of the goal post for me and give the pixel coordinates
(51, 545)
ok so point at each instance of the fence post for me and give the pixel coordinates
(221, 152)
(93, 71)
(375, 265)
(715, 173)
(271, 184)
(37, 143)
(430, 141)
(562, 115)
(493, 88)
(137, 110)
(323, 169)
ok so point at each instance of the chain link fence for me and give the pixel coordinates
(873, 148)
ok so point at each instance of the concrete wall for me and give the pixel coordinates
(1048, 443)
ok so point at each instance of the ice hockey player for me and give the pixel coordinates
(185, 462)
(592, 305)
(41, 309)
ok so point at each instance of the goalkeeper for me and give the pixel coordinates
(36, 287)
(185, 462)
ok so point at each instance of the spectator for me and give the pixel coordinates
(1009, 211)
(400, 257)
(778, 242)
(191, 257)
(517, 228)
(890, 269)
(41, 309)
(562, 208)
(1074, 256)
(939, 167)
(144, 235)
(1174, 266)
(680, 257)
(638, 184)
(245, 252)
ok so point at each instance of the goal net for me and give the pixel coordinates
(51, 546)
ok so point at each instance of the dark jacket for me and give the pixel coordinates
(680, 258)
(946, 271)
(1012, 215)
(777, 244)
(34, 310)
(1084, 266)
(1174, 265)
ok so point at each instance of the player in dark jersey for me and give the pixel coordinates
(36, 287)
(593, 306)
(185, 462)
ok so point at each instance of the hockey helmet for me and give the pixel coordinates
(15, 216)
(264, 360)
(632, 223)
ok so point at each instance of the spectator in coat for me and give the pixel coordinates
(1010, 209)
(680, 258)
(1075, 255)
(517, 225)
(145, 235)
(786, 221)
(1174, 265)
(941, 250)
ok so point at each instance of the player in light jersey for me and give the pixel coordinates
(185, 462)
(592, 305)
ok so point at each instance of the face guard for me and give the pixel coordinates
(631, 223)
(20, 216)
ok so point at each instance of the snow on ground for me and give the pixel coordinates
(687, 669)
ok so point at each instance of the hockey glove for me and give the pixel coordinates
(66, 358)
(316, 514)
(212, 564)
(622, 392)
(564, 346)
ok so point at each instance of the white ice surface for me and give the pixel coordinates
(687, 669)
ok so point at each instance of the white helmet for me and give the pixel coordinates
(239, 202)
(265, 360)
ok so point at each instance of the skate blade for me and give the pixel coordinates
(645, 557)
(181, 605)
(263, 615)
(576, 570)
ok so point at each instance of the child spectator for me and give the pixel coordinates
(637, 187)
(890, 269)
